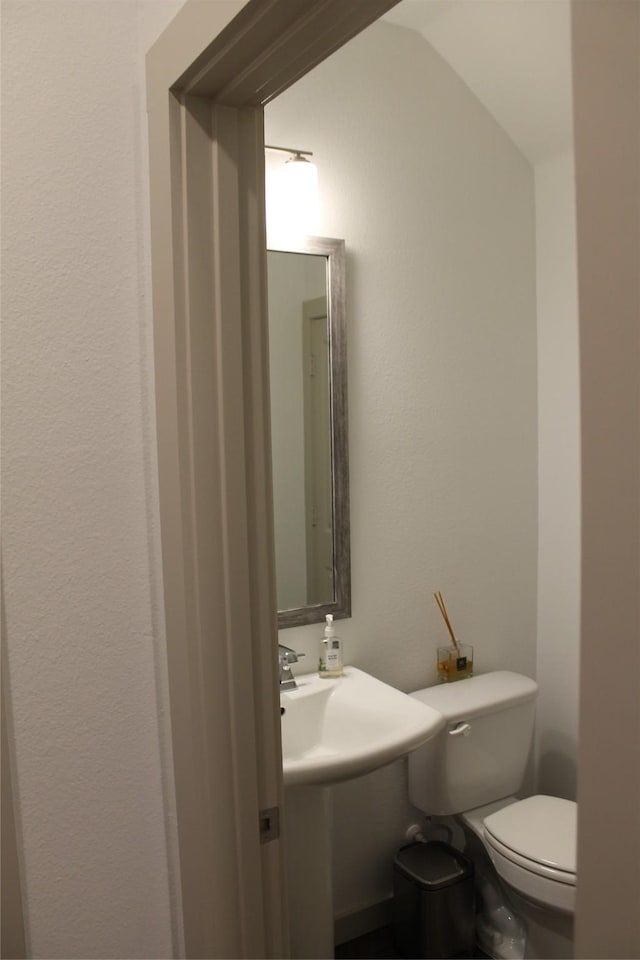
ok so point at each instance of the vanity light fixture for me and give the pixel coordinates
(292, 195)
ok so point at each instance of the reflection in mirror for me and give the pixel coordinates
(307, 348)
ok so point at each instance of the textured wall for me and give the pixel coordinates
(81, 542)
(437, 209)
(606, 63)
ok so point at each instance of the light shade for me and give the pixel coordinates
(292, 200)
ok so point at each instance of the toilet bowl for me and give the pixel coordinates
(471, 771)
(532, 844)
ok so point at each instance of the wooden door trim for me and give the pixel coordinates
(208, 76)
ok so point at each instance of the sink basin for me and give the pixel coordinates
(336, 729)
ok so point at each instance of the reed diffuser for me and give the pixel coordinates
(455, 662)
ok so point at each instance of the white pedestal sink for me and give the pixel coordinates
(334, 730)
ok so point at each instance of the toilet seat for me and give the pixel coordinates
(541, 869)
(533, 846)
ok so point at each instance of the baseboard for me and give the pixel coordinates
(348, 926)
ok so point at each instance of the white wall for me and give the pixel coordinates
(558, 648)
(81, 558)
(437, 209)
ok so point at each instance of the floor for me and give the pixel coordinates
(377, 945)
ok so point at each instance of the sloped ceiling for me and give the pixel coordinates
(515, 57)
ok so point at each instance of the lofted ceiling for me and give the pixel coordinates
(515, 57)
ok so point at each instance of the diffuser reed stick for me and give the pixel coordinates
(445, 616)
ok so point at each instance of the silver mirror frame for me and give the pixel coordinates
(334, 252)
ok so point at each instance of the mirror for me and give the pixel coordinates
(308, 374)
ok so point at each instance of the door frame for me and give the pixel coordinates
(208, 77)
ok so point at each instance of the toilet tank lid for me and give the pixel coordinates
(479, 694)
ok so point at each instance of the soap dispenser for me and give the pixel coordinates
(331, 664)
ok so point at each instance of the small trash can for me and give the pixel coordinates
(433, 902)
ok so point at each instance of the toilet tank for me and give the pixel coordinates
(481, 754)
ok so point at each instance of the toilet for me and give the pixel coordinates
(472, 771)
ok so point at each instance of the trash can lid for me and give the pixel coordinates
(433, 865)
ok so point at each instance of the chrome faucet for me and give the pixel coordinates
(287, 656)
